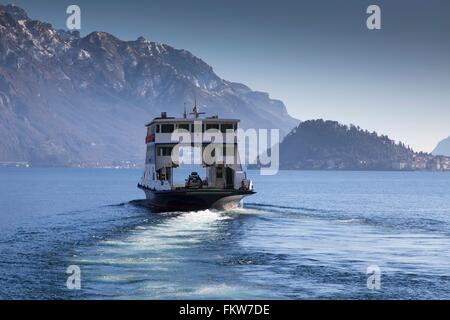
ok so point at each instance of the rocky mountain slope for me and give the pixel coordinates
(71, 100)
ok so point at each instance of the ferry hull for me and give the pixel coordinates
(194, 199)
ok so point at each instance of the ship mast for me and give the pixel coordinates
(195, 110)
(184, 112)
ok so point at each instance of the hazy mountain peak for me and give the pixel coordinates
(141, 39)
(100, 37)
(15, 12)
(443, 148)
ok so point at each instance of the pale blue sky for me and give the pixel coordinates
(318, 57)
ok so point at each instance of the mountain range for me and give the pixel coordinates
(69, 100)
(443, 148)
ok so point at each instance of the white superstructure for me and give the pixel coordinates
(223, 173)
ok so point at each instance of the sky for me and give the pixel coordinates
(318, 57)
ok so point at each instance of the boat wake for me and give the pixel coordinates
(265, 210)
(374, 219)
(265, 205)
(168, 250)
(210, 253)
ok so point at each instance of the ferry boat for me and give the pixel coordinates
(224, 184)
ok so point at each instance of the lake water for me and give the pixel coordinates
(304, 235)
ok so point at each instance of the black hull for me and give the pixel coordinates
(194, 199)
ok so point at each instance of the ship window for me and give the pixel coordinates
(167, 128)
(157, 128)
(226, 126)
(196, 126)
(212, 126)
(164, 151)
(184, 126)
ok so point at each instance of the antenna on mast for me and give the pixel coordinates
(184, 112)
(195, 110)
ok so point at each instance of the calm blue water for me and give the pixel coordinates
(304, 235)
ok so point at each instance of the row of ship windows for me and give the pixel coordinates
(165, 151)
(169, 128)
